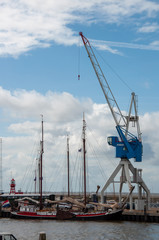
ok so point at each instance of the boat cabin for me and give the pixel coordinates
(28, 208)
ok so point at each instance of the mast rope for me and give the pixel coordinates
(29, 167)
(96, 157)
(57, 171)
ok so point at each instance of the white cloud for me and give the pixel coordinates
(104, 45)
(22, 104)
(25, 25)
(155, 43)
(149, 28)
(63, 115)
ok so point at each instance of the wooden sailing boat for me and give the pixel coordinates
(67, 214)
(36, 211)
(70, 214)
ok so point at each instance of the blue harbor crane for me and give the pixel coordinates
(127, 145)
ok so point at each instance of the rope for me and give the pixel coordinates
(115, 73)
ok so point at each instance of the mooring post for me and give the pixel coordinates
(42, 236)
(145, 213)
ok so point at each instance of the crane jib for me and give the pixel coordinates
(125, 148)
(112, 103)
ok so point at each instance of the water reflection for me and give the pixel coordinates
(69, 230)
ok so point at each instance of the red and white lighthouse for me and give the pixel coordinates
(12, 186)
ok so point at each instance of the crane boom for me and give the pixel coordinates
(129, 146)
(114, 108)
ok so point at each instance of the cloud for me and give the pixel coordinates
(63, 115)
(22, 104)
(26, 25)
(105, 45)
(149, 28)
(155, 43)
(150, 137)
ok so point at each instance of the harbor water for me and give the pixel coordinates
(74, 230)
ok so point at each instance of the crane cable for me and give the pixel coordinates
(79, 55)
(111, 68)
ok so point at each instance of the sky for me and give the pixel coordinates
(41, 56)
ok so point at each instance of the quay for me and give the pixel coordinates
(154, 197)
(5, 213)
(141, 216)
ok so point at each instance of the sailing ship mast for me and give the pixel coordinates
(41, 161)
(68, 166)
(84, 157)
(35, 180)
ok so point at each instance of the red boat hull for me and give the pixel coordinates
(64, 215)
